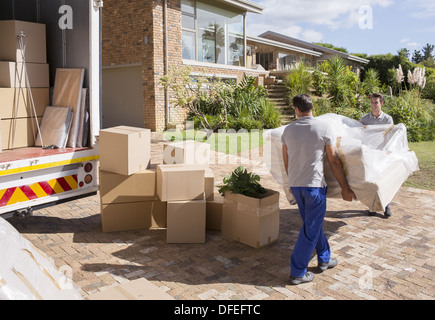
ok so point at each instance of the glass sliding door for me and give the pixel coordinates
(236, 43)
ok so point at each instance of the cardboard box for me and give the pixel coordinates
(15, 102)
(209, 184)
(24, 136)
(214, 212)
(12, 75)
(180, 182)
(139, 289)
(133, 216)
(119, 188)
(186, 221)
(125, 150)
(249, 220)
(36, 48)
(187, 152)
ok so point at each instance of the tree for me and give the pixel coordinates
(417, 57)
(426, 54)
(427, 51)
(330, 46)
(188, 93)
(405, 52)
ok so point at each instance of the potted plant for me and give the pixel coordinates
(250, 212)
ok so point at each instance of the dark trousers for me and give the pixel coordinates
(312, 207)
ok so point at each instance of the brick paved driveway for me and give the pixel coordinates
(379, 258)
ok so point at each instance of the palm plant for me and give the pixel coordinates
(299, 80)
(371, 82)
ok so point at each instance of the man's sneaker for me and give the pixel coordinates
(328, 265)
(387, 212)
(308, 277)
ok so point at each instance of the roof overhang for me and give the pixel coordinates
(245, 5)
(319, 49)
(358, 59)
(283, 45)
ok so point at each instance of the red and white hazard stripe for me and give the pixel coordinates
(37, 190)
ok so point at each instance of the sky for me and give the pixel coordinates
(361, 26)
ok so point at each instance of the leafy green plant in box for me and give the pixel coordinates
(242, 182)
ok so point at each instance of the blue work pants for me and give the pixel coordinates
(312, 207)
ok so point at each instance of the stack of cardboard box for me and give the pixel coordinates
(18, 127)
(176, 195)
(182, 186)
(187, 183)
(127, 181)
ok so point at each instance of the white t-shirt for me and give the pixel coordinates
(305, 140)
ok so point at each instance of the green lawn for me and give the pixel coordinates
(229, 142)
(425, 177)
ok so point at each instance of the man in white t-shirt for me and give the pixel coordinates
(305, 142)
(376, 117)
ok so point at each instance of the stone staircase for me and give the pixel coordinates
(278, 94)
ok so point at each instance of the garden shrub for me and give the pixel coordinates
(270, 116)
(319, 82)
(321, 106)
(415, 113)
(298, 81)
(371, 82)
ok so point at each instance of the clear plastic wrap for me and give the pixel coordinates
(376, 160)
(26, 273)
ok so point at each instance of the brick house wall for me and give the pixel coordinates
(133, 33)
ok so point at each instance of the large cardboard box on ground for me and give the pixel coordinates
(13, 76)
(180, 182)
(22, 136)
(133, 216)
(214, 212)
(15, 102)
(36, 50)
(125, 150)
(187, 152)
(139, 289)
(186, 221)
(119, 188)
(249, 220)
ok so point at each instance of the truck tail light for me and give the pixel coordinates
(88, 167)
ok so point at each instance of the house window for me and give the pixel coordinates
(286, 61)
(211, 34)
(188, 29)
(265, 59)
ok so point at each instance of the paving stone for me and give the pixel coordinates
(379, 258)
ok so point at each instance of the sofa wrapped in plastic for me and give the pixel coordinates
(376, 160)
(26, 273)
